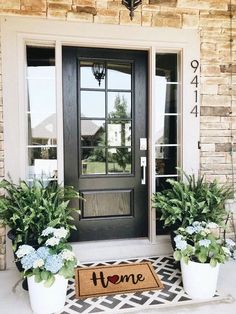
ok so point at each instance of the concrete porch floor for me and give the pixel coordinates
(18, 303)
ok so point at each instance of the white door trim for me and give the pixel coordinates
(17, 31)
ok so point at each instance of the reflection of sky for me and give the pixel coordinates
(160, 102)
(41, 93)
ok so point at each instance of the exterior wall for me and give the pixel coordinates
(218, 64)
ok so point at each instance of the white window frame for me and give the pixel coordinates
(18, 31)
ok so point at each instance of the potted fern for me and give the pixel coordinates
(28, 207)
(191, 199)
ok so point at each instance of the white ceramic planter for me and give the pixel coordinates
(199, 280)
(47, 300)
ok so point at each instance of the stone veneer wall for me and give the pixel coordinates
(211, 18)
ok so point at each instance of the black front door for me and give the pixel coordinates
(105, 116)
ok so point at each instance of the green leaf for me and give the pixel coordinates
(213, 262)
(45, 275)
(177, 255)
(49, 282)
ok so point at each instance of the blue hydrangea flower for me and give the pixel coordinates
(43, 252)
(53, 263)
(27, 261)
(205, 243)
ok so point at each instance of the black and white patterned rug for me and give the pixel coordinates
(172, 294)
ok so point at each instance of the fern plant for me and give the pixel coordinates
(192, 199)
(28, 208)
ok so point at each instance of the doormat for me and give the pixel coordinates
(117, 279)
(171, 296)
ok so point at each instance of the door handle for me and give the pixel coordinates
(143, 161)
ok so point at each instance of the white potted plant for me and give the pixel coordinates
(200, 251)
(48, 269)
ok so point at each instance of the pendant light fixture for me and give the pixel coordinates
(131, 5)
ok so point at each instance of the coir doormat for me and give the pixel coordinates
(117, 279)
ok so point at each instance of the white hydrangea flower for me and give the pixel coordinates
(181, 245)
(230, 243)
(47, 231)
(60, 233)
(177, 238)
(190, 230)
(24, 250)
(212, 225)
(205, 242)
(67, 255)
(52, 241)
(38, 263)
(226, 250)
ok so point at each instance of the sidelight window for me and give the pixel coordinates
(41, 113)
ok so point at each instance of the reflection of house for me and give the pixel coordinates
(90, 132)
(45, 132)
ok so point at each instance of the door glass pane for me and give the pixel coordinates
(93, 161)
(166, 130)
(41, 112)
(92, 132)
(92, 104)
(119, 160)
(166, 66)
(119, 105)
(119, 133)
(165, 96)
(119, 75)
(42, 163)
(106, 203)
(87, 78)
(166, 160)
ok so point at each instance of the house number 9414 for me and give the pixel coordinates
(195, 83)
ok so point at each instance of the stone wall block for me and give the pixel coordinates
(190, 21)
(84, 9)
(167, 20)
(216, 100)
(107, 16)
(80, 17)
(125, 18)
(10, 4)
(33, 5)
(215, 111)
(91, 3)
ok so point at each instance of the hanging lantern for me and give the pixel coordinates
(131, 5)
(98, 70)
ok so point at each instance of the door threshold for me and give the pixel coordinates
(108, 250)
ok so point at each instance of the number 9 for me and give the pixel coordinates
(195, 65)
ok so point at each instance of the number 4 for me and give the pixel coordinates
(194, 111)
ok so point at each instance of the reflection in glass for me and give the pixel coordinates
(166, 66)
(166, 160)
(106, 203)
(119, 160)
(92, 104)
(119, 75)
(41, 106)
(93, 161)
(87, 79)
(119, 133)
(92, 132)
(119, 105)
(165, 96)
(166, 130)
(42, 162)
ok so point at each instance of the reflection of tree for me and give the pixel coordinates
(120, 116)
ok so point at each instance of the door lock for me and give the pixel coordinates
(143, 161)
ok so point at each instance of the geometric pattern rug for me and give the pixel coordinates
(172, 294)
